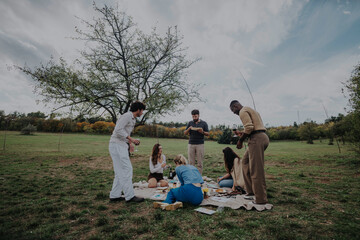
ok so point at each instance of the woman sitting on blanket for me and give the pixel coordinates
(157, 164)
(234, 177)
(190, 179)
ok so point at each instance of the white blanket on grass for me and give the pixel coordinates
(234, 202)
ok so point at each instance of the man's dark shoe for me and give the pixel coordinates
(117, 199)
(136, 199)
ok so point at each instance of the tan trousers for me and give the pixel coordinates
(253, 166)
(196, 150)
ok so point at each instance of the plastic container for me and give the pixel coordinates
(220, 209)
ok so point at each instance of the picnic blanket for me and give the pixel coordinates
(234, 202)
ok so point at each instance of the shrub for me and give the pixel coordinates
(214, 134)
(80, 126)
(103, 127)
(308, 131)
(226, 137)
(155, 130)
(28, 130)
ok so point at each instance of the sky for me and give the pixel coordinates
(293, 54)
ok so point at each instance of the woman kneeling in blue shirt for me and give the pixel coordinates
(190, 179)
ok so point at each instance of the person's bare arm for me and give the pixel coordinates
(187, 131)
(203, 132)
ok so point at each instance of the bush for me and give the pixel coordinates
(215, 134)
(226, 137)
(308, 131)
(155, 130)
(28, 130)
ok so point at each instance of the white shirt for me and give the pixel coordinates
(157, 168)
(123, 128)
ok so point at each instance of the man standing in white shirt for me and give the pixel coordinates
(119, 146)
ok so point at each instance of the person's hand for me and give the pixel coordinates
(240, 134)
(237, 132)
(132, 148)
(200, 130)
(163, 165)
(135, 141)
(219, 179)
(239, 144)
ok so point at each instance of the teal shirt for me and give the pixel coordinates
(188, 174)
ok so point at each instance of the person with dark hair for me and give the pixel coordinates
(137, 106)
(253, 159)
(234, 176)
(120, 144)
(197, 129)
(157, 164)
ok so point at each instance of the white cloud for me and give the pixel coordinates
(230, 36)
(307, 89)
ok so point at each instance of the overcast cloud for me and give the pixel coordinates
(293, 54)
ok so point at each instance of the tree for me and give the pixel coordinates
(121, 64)
(28, 130)
(308, 131)
(2, 119)
(353, 87)
(37, 114)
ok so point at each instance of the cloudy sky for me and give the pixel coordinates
(294, 55)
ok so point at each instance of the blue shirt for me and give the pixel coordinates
(188, 174)
(195, 136)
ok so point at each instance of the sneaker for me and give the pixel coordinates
(249, 197)
(136, 199)
(253, 202)
(174, 206)
(168, 207)
(160, 205)
(117, 199)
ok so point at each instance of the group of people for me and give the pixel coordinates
(244, 176)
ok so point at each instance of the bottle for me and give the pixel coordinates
(220, 209)
(171, 173)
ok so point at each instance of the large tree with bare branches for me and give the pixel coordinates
(120, 64)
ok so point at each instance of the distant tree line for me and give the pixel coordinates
(337, 128)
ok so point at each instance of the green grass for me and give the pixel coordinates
(51, 194)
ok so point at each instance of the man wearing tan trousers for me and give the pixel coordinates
(253, 159)
(197, 129)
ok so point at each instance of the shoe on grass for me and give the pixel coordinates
(160, 205)
(174, 206)
(167, 206)
(136, 199)
(117, 199)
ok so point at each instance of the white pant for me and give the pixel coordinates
(123, 171)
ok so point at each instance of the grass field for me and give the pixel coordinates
(51, 194)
